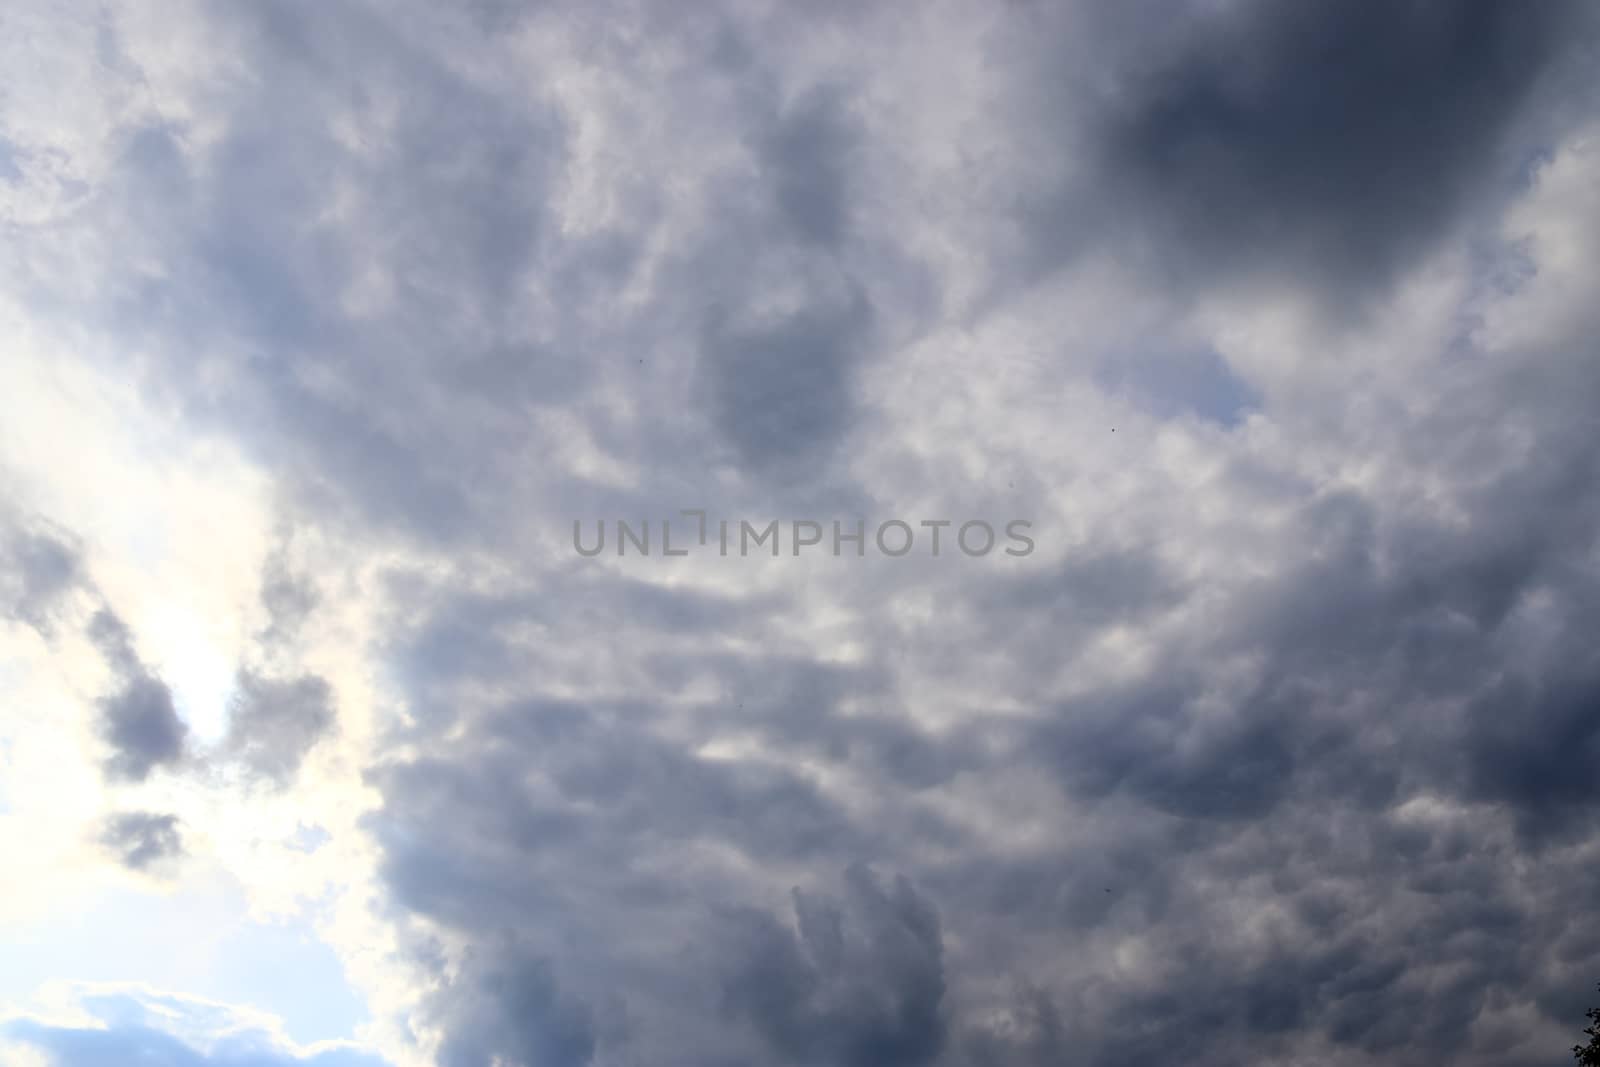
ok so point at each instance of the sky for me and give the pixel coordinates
(1176, 640)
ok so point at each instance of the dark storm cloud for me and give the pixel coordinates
(1149, 746)
(1373, 787)
(1424, 635)
(1291, 815)
(1341, 141)
(574, 809)
(853, 983)
(580, 832)
(1290, 759)
(138, 719)
(1535, 744)
(603, 784)
(140, 839)
(511, 1010)
(1385, 683)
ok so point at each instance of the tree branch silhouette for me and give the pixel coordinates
(1589, 1055)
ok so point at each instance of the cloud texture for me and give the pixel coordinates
(1275, 321)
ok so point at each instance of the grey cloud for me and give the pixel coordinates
(138, 719)
(262, 238)
(1374, 653)
(1307, 775)
(600, 784)
(1176, 764)
(511, 1011)
(450, 639)
(278, 712)
(141, 840)
(795, 285)
(1031, 1033)
(1088, 591)
(798, 704)
(273, 723)
(1384, 641)
(1536, 745)
(1338, 138)
(1287, 756)
(606, 796)
(856, 982)
(289, 599)
(254, 276)
(1338, 141)
(807, 154)
(142, 728)
(38, 565)
(781, 391)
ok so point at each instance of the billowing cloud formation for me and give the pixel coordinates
(1284, 746)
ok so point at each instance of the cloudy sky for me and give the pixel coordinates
(322, 324)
